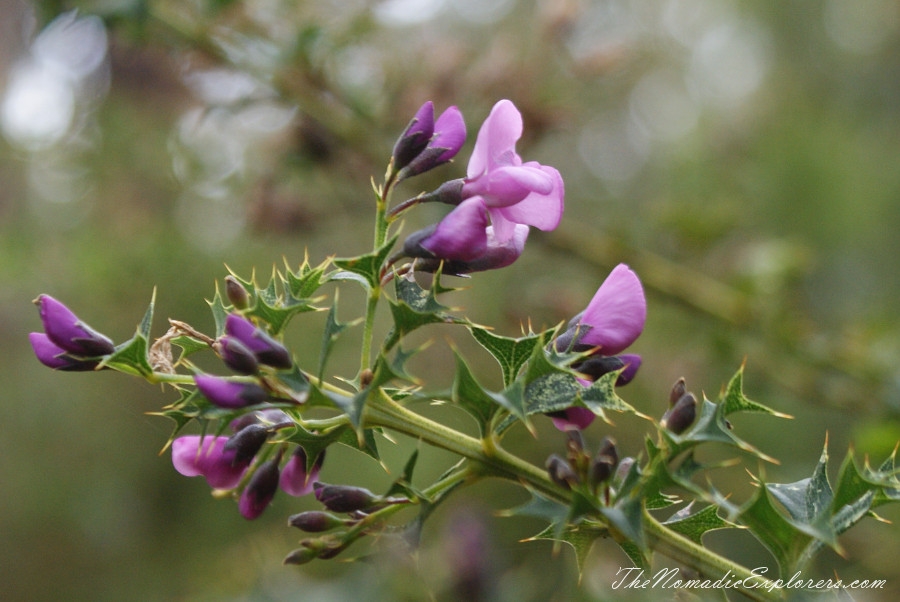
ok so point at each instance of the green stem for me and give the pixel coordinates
(493, 460)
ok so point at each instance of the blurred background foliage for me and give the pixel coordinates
(741, 156)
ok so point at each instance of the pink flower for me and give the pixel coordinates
(195, 456)
(612, 321)
(295, 479)
(514, 192)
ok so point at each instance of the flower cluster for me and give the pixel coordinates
(495, 204)
(228, 461)
(612, 321)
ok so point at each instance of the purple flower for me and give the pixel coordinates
(514, 192)
(612, 321)
(66, 331)
(258, 493)
(267, 350)
(229, 394)
(427, 143)
(295, 480)
(464, 242)
(194, 455)
(236, 355)
(54, 356)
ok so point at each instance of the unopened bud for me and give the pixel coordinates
(315, 521)
(561, 472)
(236, 355)
(682, 414)
(236, 293)
(260, 490)
(623, 469)
(605, 461)
(247, 442)
(345, 498)
(678, 389)
(301, 556)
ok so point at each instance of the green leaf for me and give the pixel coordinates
(306, 281)
(539, 507)
(369, 265)
(601, 396)
(276, 305)
(510, 353)
(189, 345)
(416, 307)
(581, 537)
(333, 330)
(694, 525)
(482, 404)
(733, 399)
(132, 356)
(219, 312)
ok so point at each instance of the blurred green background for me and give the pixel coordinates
(740, 156)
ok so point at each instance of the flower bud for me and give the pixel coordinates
(247, 442)
(194, 455)
(315, 521)
(415, 137)
(449, 136)
(678, 389)
(65, 330)
(623, 469)
(682, 415)
(229, 394)
(269, 416)
(236, 293)
(301, 556)
(295, 480)
(345, 498)
(267, 350)
(236, 355)
(561, 472)
(260, 490)
(604, 464)
(54, 356)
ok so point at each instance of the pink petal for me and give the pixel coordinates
(496, 139)
(617, 313)
(460, 236)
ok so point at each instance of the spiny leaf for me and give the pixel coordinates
(785, 539)
(694, 525)
(733, 399)
(472, 397)
(581, 537)
(415, 307)
(132, 356)
(601, 396)
(333, 330)
(510, 353)
(539, 507)
(369, 265)
(275, 307)
(306, 280)
(219, 312)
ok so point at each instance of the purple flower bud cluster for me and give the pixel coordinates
(67, 343)
(682, 409)
(495, 204)
(245, 347)
(612, 321)
(579, 467)
(427, 143)
(227, 462)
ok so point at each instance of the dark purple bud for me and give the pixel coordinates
(561, 472)
(269, 416)
(236, 355)
(315, 521)
(247, 442)
(574, 443)
(598, 365)
(260, 490)
(449, 136)
(54, 356)
(682, 415)
(301, 556)
(345, 498)
(267, 350)
(68, 332)
(229, 394)
(678, 389)
(415, 137)
(236, 293)
(297, 478)
(604, 464)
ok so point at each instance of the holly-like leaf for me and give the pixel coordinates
(304, 283)
(693, 525)
(581, 537)
(276, 305)
(601, 396)
(510, 353)
(733, 399)
(369, 265)
(333, 330)
(132, 356)
(415, 307)
(219, 312)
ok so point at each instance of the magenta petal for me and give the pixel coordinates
(543, 211)
(449, 133)
(460, 236)
(68, 332)
(574, 418)
(193, 456)
(617, 313)
(508, 185)
(496, 139)
(294, 478)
